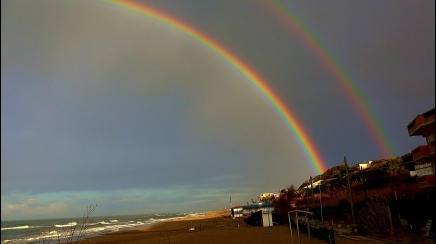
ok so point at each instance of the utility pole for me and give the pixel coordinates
(364, 185)
(320, 202)
(311, 188)
(349, 189)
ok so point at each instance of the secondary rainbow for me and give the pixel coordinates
(291, 121)
(338, 72)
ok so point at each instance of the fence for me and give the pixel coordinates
(302, 222)
(404, 212)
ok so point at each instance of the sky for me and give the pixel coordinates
(102, 104)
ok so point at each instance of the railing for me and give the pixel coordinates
(419, 152)
(418, 122)
(298, 228)
(316, 228)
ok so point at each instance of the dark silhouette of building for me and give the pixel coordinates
(423, 156)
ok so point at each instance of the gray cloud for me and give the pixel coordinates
(101, 99)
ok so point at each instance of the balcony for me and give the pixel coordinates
(420, 153)
(421, 123)
(426, 181)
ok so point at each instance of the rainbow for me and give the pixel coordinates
(291, 121)
(338, 72)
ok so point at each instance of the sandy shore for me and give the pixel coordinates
(215, 227)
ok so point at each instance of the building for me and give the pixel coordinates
(236, 212)
(423, 156)
(267, 209)
(317, 180)
(365, 165)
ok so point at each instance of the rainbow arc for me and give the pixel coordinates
(291, 121)
(338, 72)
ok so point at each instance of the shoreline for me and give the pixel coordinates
(208, 215)
(156, 227)
(51, 230)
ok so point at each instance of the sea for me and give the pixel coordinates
(49, 230)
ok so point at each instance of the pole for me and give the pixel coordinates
(311, 188)
(349, 189)
(269, 223)
(364, 185)
(239, 216)
(390, 218)
(298, 227)
(320, 202)
(231, 204)
(398, 209)
(308, 228)
(290, 227)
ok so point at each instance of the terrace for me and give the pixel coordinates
(419, 125)
(421, 153)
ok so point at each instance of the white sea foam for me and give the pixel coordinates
(99, 226)
(16, 227)
(195, 215)
(96, 229)
(67, 225)
(48, 234)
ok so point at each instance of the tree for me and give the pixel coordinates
(282, 204)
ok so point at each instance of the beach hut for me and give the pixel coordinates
(236, 212)
(264, 208)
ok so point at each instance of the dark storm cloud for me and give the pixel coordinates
(99, 101)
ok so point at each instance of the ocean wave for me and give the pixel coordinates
(96, 229)
(67, 225)
(99, 227)
(100, 223)
(46, 235)
(195, 215)
(49, 232)
(16, 227)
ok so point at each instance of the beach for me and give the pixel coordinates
(213, 227)
(193, 227)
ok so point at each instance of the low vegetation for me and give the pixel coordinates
(386, 182)
(373, 219)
